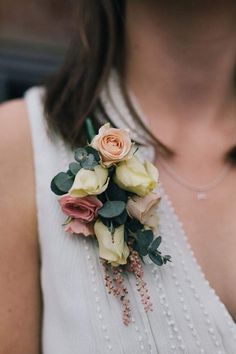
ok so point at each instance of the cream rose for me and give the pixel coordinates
(88, 182)
(115, 250)
(135, 176)
(144, 209)
(113, 144)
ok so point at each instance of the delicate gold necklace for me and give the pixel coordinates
(200, 191)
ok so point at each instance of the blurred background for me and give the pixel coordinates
(34, 36)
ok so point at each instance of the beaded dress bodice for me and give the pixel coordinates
(79, 316)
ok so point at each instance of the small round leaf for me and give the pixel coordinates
(62, 182)
(112, 209)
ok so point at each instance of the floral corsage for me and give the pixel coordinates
(108, 194)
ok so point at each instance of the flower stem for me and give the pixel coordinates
(89, 128)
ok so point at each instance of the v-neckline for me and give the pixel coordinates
(112, 94)
(185, 238)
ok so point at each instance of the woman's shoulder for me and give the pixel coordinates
(16, 158)
(15, 142)
(19, 271)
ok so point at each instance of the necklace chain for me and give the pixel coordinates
(199, 190)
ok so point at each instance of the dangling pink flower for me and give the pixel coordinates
(77, 227)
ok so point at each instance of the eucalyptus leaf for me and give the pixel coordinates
(116, 193)
(156, 258)
(55, 190)
(142, 241)
(62, 183)
(111, 209)
(121, 219)
(94, 152)
(134, 225)
(166, 258)
(74, 168)
(106, 222)
(80, 154)
(89, 163)
(69, 173)
(155, 244)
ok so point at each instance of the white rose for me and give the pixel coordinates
(88, 182)
(112, 248)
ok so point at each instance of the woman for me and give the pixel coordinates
(175, 63)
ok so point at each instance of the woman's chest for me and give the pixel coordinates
(210, 226)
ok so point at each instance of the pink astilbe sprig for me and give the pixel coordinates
(135, 267)
(115, 285)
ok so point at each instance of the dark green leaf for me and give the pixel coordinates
(142, 241)
(155, 244)
(55, 190)
(116, 193)
(166, 258)
(156, 258)
(121, 219)
(69, 173)
(62, 183)
(126, 235)
(94, 152)
(80, 154)
(111, 209)
(106, 222)
(111, 171)
(134, 225)
(74, 168)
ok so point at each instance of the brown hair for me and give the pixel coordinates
(95, 47)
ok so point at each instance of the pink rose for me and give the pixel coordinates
(114, 145)
(77, 227)
(84, 209)
(144, 209)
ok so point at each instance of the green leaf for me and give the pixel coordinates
(69, 173)
(155, 244)
(55, 190)
(166, 258)
(62, 183)
(156, 258)
(116, 193)
(89, 163)
(134, 225)
(121, 219)
(74, 168)
(111, 209)
(142, 241)
(89, 128)
(94, 152)
(80, 154)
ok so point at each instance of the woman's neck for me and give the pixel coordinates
(180, 57)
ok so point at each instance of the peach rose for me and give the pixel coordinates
(113, 145)
(84, 209)
(144, 209)
(77, 227)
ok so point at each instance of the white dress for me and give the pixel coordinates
(79, 316)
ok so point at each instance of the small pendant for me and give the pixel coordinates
(201, 196)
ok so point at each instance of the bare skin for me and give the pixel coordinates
(19, 256)
(180, 64)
